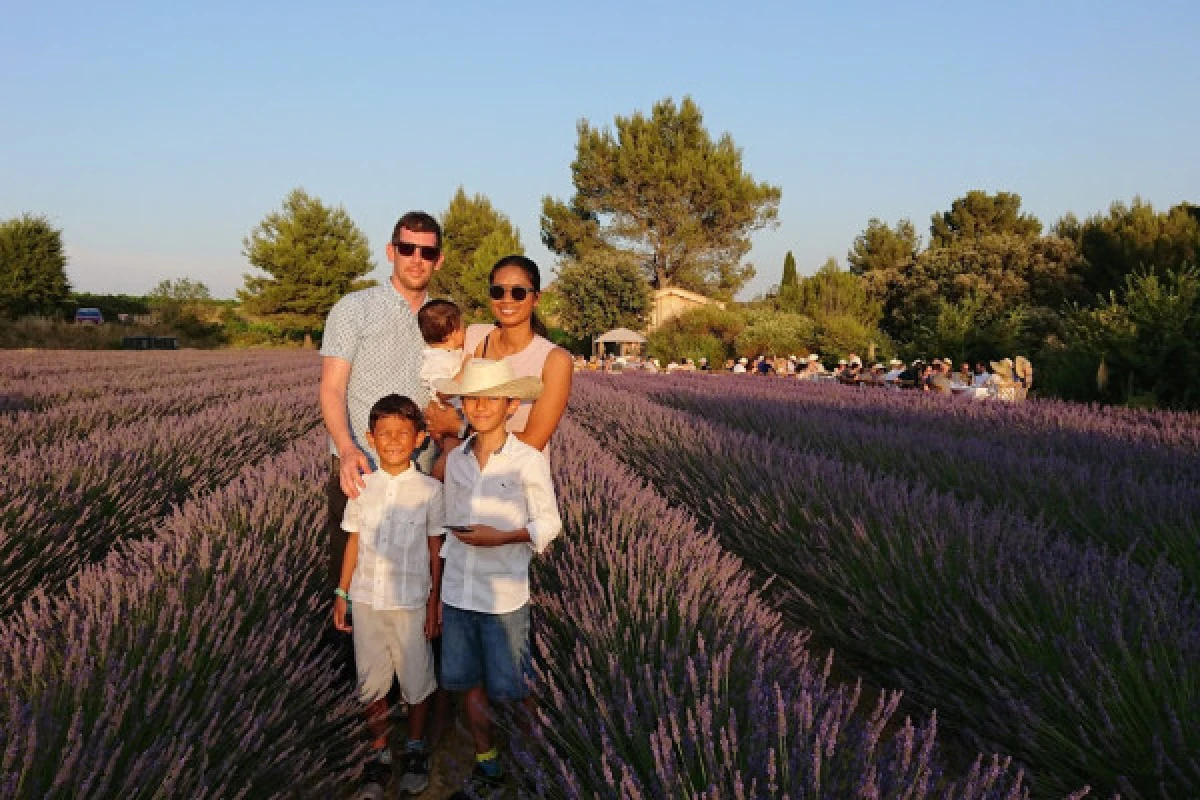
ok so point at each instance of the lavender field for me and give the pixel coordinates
(763, 590)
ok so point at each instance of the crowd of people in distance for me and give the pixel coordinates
(938, 375)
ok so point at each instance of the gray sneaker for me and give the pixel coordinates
(377, 774)
(414, 772)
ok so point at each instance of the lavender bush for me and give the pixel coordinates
(662, 674)
(63, 506)
(189, 665)
(1134, 497)
(1079, 662)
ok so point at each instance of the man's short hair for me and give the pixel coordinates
(418, 222)
(396, 405)
(437, 319)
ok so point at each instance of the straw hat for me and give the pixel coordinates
(895, 362)
(813, 357)
(483, 377)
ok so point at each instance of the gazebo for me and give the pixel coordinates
(627, 341)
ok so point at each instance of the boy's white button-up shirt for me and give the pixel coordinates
(393, 517)
(513, 491)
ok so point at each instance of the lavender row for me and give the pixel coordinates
(1083, 665)
(48, 379)
(1150, 512)
(189, 665)
(1161, 443)
(76, 419)
(63, 507)
(662, 674)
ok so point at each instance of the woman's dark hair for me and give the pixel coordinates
(396, 405)
(530, 268)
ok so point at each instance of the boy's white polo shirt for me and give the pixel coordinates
(394, 516)
(513, 491)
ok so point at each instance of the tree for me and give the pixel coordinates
(179, 298)
(475, 236)
(775, 333)
(1000, 272)
(312, 254)
(833, 291)
(33, 277)
(601, 291)
(1130, 239)
(789, 272)
(978, 214)
(881, 249)
(662, 191)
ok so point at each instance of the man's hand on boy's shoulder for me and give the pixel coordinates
(487, 536)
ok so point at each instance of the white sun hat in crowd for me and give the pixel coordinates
(813, 357)
(743, 360)
(841, 362)
(895, 362)
(855, 360)
(483, 377)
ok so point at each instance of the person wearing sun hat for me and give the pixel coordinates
(500, 510)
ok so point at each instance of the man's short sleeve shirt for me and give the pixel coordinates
(376, 331)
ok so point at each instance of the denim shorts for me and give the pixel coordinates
(488, 649)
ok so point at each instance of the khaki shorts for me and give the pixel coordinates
(392, 642)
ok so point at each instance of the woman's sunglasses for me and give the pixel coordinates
(428, 252)
(517, 293)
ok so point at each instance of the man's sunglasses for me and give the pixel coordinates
(517, 293)
(428, 252)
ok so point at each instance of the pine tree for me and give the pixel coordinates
(312, 254)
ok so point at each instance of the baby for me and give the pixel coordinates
(442, 329)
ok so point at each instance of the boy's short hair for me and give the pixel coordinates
(418, 222)
(437, 319)
(396, 405)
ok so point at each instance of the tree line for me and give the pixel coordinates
(1107, 306)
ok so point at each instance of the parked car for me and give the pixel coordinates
(88, 316)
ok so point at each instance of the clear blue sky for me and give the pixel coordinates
(157, 136)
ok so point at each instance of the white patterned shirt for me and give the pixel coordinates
(394, 517)
(513, 491)
(376, 331)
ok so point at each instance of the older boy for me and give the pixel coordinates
(500, 510)
(391, 572)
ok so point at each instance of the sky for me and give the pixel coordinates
(157, 135)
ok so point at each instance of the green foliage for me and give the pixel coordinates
(707, 331)
(832, 291)
(661, 189)
(601, 290)
(312, 254)
(1131, 239)
(790, 278)
(979, 214)
(968, 329)
(674, 345)
(998, 272)
(879, 250)
(775, 333)
(33, 277)
(1149, 336)
(186, 306)
(842, 334)
(475, 237)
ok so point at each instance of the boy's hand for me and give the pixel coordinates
(442, 420)
(340, 606)
(433, 617)
(483, 536)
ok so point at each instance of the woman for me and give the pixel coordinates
(518, 336)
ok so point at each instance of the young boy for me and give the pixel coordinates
(500, 510)
(442, 328)
(392, 573)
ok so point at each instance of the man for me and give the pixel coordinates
(372, 348)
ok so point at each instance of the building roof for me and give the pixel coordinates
(620, 335)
